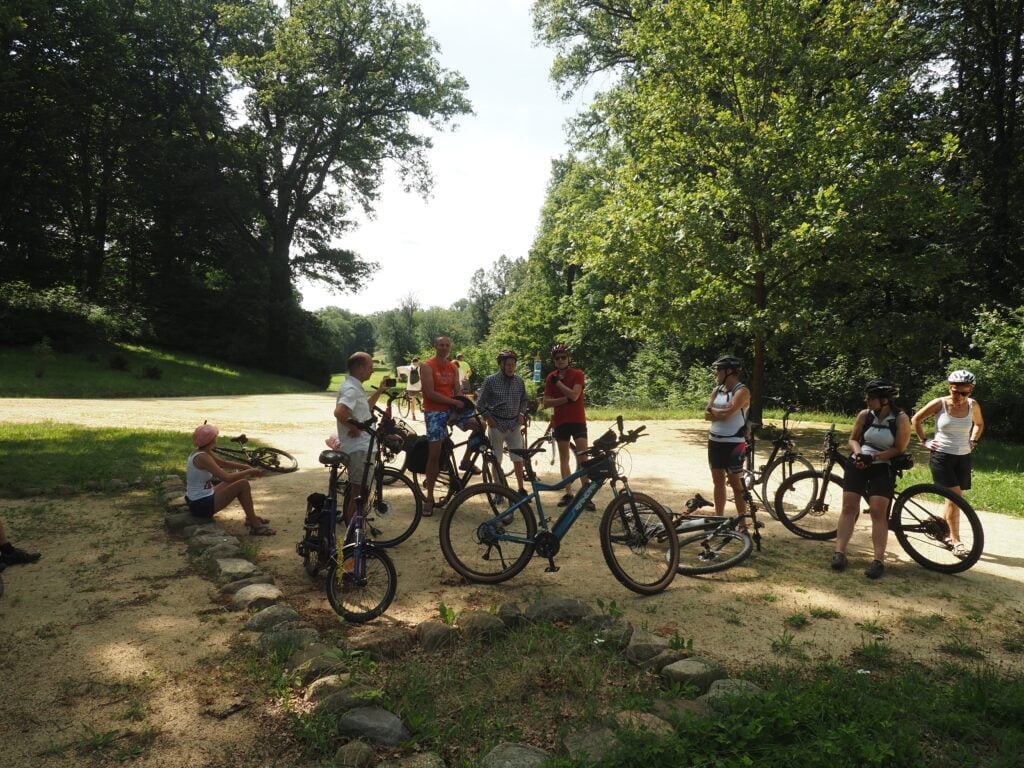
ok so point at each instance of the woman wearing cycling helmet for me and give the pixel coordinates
(881, 433)
(563, 393)
(727, 411)
(204, 498)
(958, 427)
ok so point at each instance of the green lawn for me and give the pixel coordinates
(46, 454)
(121, 371)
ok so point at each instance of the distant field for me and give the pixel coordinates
(130, 371)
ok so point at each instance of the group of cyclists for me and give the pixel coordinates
(880, 434)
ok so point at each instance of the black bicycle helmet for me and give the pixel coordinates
(505, 354)
(882, 388)
(728, 361)
(559, 349)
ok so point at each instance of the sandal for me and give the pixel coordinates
(960, 550)
(261, 529)
(262, 520)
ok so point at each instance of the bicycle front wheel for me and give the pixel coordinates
(403, 406)
(713, 551)
(778, 472)
(481, 545)
(394, 509)
(361, 591)
(925, 520)
(809, 505)
(635, 547)
(273, 460)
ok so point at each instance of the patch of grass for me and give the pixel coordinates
(874, 653)
(768, 597)
(931, 621)
(1014, 642)
(960, 645)
(785, 645)
(823, 613)
(797, 621)
(872, 627)
(46, 453)
(91, 374)
(135, 712)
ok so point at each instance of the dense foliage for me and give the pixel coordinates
(184, 164)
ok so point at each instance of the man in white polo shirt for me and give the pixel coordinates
(354, 402)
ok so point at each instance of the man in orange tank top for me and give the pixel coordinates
(440, 379)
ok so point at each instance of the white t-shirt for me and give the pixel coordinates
(352, 395)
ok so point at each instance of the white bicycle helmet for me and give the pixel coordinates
(961, 377)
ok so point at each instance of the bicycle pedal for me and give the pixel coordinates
(552, 568)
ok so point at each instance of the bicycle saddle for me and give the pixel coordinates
(240, 439)
(696, 503)
(333, 458)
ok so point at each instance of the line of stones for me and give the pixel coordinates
(332, 691)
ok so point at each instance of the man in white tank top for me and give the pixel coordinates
(958, 427)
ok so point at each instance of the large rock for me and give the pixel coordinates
(288, 639)
(422, 760)
(234, 586)
(681, 709)
(726, 689)
(699, 672)
(256, 596)
(591, 743)
(508, 754)
(207, 528)
(198, 544)
(177, 503)
(433, 635)
(381, 643)
(315, 661)
(666, 657)
(643, 721)
(220, 552)
(270, 617)
(355, 754)
(375, 724)
(511, 614)
(175, 522)
(347, 699)
(231, 569)
(325, 686)
(614, 631)
(480, 625)
(645, 645)
(553, 609)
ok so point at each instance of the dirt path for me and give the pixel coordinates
(94, 610)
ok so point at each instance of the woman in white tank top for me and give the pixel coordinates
(958, 427)
(204, 497)
(727, 411)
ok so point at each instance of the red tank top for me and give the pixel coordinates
(445, 376)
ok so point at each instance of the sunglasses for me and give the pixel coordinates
(956, 391)
(561, 357)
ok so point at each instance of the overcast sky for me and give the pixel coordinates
(490, 174)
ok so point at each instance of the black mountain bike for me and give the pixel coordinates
(713, 543)
(783, 462)
(809, 504)
(269, 459)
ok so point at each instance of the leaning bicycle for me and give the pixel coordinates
(268, 459)
(782, 463)
(489, 543)
(809, 505)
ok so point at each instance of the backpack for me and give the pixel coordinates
(416, 449)
(414, 374)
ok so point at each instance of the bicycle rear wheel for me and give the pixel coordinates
(634, 544)
(778, 472)
(394, 509)
(713, 551)
(921, 521)
(403, 406)
(273, 460)
(364, 593)
(483, 546)
(809, 505)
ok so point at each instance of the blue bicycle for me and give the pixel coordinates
(361, 583)
(489, 533)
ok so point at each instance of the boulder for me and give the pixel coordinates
(355, 754)
(270, 617)
(375, 724)
(323, 687)
(175, 522)
(347, 699)
(433, 635)
(698, 671)
(666, 657)
(550, 610)
(591, 743)
(197, 544)
(645, 645)
(511, 614)
(381, 643)
(315, 661)
(480, 625)
(177, 503)
(219, 552)
(231, 569)
(234, 586)
(643, 721)
(293, 639)
(509, 754)
(721, 691)
(422, 760)
(256, 596)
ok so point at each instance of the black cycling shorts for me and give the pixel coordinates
(950, 470)
(570, 431)
(201, 507)
(873, 480)
(727, 456)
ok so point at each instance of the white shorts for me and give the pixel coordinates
(513, 438)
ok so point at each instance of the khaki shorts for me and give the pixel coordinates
(356, 466)
(513, 438)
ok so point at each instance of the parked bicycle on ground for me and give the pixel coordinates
(712, 543)
(269, 459)
(361, 583)
(489, 543)
(809, 504)
(783, 462)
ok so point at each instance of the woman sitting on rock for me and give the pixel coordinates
(206, 498)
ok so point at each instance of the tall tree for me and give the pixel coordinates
(334, 91)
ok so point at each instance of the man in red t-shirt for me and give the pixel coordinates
(563, 391)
